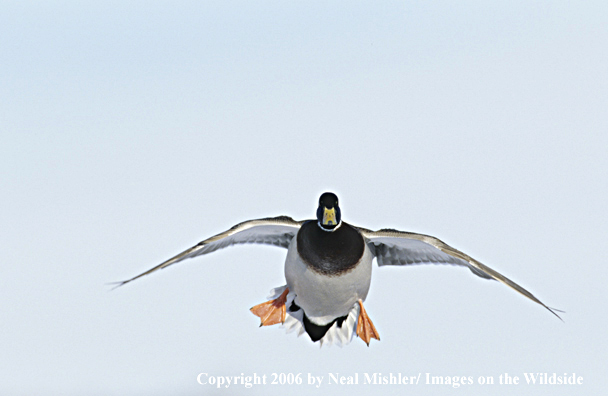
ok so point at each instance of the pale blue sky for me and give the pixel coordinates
(132, 131)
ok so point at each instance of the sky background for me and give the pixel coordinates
(129, 132)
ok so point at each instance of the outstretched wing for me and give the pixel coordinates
(392, 247)
(277, 231)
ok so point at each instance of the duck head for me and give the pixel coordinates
(328, 213)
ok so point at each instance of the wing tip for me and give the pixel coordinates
(552, 310)
(116, 285)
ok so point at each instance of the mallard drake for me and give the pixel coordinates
(328, 269)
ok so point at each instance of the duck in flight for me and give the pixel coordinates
(328, 269)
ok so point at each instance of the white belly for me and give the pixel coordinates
(325, 298)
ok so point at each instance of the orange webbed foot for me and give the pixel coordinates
(365, 328)
(272, 312)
